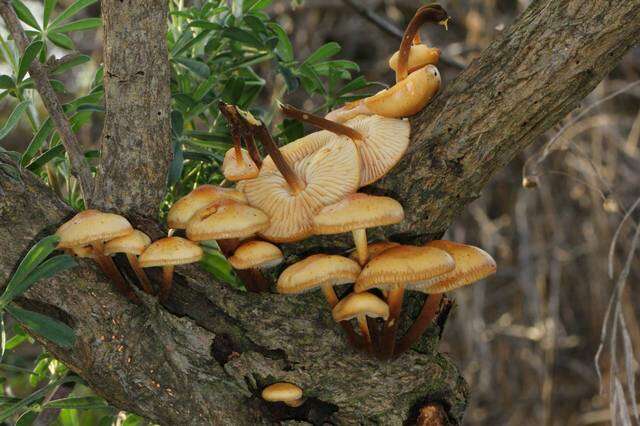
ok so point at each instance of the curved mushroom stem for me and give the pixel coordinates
(295, 183)
(428, 13)
(170, 232)
(360, 240)
(320, 122)
(427, 314)
(110, 268)
(391, 325)
(364, 330)
(142, 276)
(332, 298)
(167, 282)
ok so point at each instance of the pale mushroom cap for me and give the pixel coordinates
(329, 174)
(134, 243)
(226, 219)
(256, 254)
(184, 209)
(419, 56)
(407, 97)
(234, 171)
(472, 264)
(404, 265)
(375, 249)
(357, 211)
(90, 226)
(300, 148)
(356, 304)
(316, 271)
(170, 251)
(385, 142)
(282, 392)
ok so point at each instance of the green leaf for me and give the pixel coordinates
(30, 53)
(47, 269)
(242, 36)
(38, 162)
(6, 82)
(16, 341)
(35, 396)
(49, 5)
(27, 418)
(72, 10)
(34, 257)
(49, 328)
(284, 47)
(177, 163)
(198, 68)
(25, 14)
(218, 266)
(70, 64)
(326, 51)
(3, 336)
(204, 87)
(61, 40)
(80, 25)
(259, 4)
(78, 403)
(37, 142)
(13, 119)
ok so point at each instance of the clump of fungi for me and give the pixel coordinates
(308, 187)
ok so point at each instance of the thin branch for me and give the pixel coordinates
(53, 62)
(79, 166)
(390, 29)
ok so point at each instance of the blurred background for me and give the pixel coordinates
(526, 340)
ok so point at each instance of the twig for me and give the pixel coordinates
(390, 29)
(79, 166)
(53, 62)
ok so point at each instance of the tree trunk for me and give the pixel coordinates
(205, 359)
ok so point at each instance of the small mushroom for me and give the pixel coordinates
(256, 254)
(356, 213)
(381, 141)
(394, 269)
(288, 393)
(92, 228)
(375, 249)
(183, 210)
(321, 271)
(472, 264)
(132, 246)
(361, 306)
(238, 165)
(169, 252)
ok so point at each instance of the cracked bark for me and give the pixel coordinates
(206, 357)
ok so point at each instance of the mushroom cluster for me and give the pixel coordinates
(309, 187)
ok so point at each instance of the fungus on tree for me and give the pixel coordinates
(132, 246)
(361, 306)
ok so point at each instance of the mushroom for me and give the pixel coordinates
(132, 245)
(356, 213)
(169, 252)
(374, 249)
(321, 271)
(403, 99)
(288, 393)
(184, 209)
(256, 254)
(92, 228)
(361, 306)
(291, 196)
(227, 221)
(238, 165)
(472, 264)
(381, 141)
(420, 55)
(394, 269)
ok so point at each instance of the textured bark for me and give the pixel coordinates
(206, 358)
(136, 138)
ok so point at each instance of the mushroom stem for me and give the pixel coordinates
(332, 298)
(110, 268)
(167, 283)
(253, 279)
(142, 276)
(281, 163)
(253, 150)
(429, 311)
(320, 122)
(364, 330)
(388, 342)
(427, 13)
(360, 240)
(170, 232)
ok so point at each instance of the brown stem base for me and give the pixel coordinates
(110, 268)
(142, 276)
(388, 341)
(167, 283)
(429, 311)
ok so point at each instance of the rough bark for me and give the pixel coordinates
(205, 359)
(136, 138)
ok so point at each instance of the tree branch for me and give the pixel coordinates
(79, 165)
